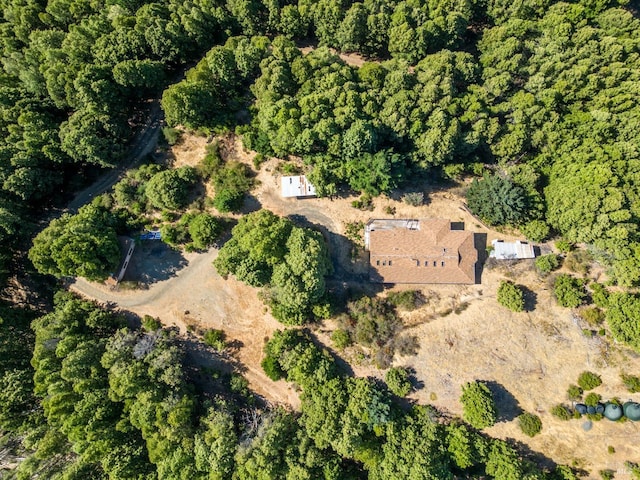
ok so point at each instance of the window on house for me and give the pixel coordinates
(417, 263)
(442, 263)
(389, 262)
(384, 263)
(378, 262)
(435, 263)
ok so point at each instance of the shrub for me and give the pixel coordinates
(574, 393)
(272, 368)
(536, 230)
(406, 299)
(170, 189)
(611, 449)
(578, 261)
(397, 379)
(592, 315)
(569, 291)
(215, 339)
(415, 199)
(365, 202)
(530, 424)
(589, 381)
(239, 384)
(511, 296)
(547, 263)
(592, 399)
(390, 210)
(204, 229)
(599, 294)
(561, 411)
(354, 231)
(228, 200)
(631, 382)
(172, 135)
(564, 246)
(211, 163)
(479, 408)
(607, 474)
(340, 338)
(151, 324)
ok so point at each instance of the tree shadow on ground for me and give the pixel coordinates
(154, 261)
(507, 405)
(530, 298)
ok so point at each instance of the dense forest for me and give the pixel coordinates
(536, 100)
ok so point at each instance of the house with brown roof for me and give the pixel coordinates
(420, 251)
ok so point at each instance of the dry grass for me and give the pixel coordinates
(464, 333)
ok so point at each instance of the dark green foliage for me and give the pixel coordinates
(622, 317)
(405, 299)
(215, 339)
(290, 353)
(497, 200)
(83, 245)
(632, 382)
(569, 291)
(592, 399)
(204, 229)
(151, 324)
(397, 379)
(479, 408)
(374, 323)
(530, 424)
(589, 380)
(170, 189)
(292, 262)
(547, 263)
(536, 230)
(231, 182)
(564, 246)
(511, 296)
(607, 474)
(599, 294)
(562, 412)
(341, 339)
(574, 393)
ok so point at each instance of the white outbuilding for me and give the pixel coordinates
(517, 250)
(297, 186)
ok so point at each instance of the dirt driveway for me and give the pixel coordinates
(529, 358)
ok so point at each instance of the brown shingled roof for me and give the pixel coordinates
(419, 251)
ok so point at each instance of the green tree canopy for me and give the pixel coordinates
(479, 408)
(83, 245)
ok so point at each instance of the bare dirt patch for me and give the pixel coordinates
(530, 358)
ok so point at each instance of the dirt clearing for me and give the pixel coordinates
(528, 358)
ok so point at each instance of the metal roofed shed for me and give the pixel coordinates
(297, 186)
(517, 250)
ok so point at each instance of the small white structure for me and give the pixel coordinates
(297, 186)
(511, 250)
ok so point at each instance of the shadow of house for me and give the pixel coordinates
(507, 405)
(480, 243)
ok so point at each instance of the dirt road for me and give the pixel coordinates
(144, 143)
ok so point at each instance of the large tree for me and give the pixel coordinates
(83, 245)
